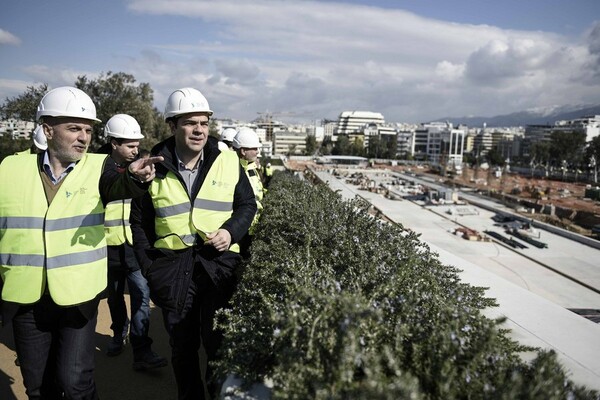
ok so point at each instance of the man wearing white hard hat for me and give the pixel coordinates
(226, 139)
(247, 145)
(123, 134)
(53, 247)
(185, 234)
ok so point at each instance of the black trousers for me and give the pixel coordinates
(56, 346)
(188, 333)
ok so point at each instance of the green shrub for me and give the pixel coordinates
(336, 304)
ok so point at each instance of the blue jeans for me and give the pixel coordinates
(55, 346)
(140, 307)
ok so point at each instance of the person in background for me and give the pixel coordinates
(185, 234)
(39, 144)
(53, 248)
(247, 145)
(124, 133)
(226, 139)
(268, 174)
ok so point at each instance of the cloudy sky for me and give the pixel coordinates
(411, 60)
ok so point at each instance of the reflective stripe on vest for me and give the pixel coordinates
(116, 223)
(178, 221)
(60, 246)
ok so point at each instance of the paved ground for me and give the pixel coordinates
(115, 378)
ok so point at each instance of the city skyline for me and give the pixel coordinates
(413, 61)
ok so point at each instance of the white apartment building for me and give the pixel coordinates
(362, 125)
(329, 128)
(439, 142)
(17, 129)
(352, 122)
(286, 142)
(589, 124)
(405, 143)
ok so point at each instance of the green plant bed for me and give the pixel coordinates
(336, 304)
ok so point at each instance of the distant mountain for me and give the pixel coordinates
(536, 116)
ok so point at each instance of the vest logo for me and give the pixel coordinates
(81, 190)
(220, 184)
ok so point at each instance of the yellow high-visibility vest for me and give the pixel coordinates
(257, 187)
(178, 220)
(116, 223)
(60, 246)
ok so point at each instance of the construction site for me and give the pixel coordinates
(544, 277)
(574, 206)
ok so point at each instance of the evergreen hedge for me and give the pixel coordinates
(336, 304)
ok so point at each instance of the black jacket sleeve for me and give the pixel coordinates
(141, 220)
(115, 185)
(244, 209)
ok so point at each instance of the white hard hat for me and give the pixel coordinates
(222, 146)
(123, 126)
(246, 137)
(185, 101)
(67, 101)
(228, 134)
(39, 138)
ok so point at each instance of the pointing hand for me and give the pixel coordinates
(143, 169)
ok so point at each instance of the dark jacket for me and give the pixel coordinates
(170, 273)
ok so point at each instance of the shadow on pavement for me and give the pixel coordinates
(115, 377)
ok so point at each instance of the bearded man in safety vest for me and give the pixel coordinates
(52, 245)
(124, 133)
(185, 234)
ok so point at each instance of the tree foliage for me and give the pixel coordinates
(568, 146)
(24, 106)
(9, 146)
(118, 93)
(495, 158)
(341, 146)
(335, 304)
(311, 145)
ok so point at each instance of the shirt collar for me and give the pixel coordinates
(48, 169)
(182, 167)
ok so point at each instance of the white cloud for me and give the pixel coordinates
(12, 87)
(8, 38)
(448, 71)
(327, 57)
(321, 58)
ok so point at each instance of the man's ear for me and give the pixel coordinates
(172, 125)
(48, 130)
